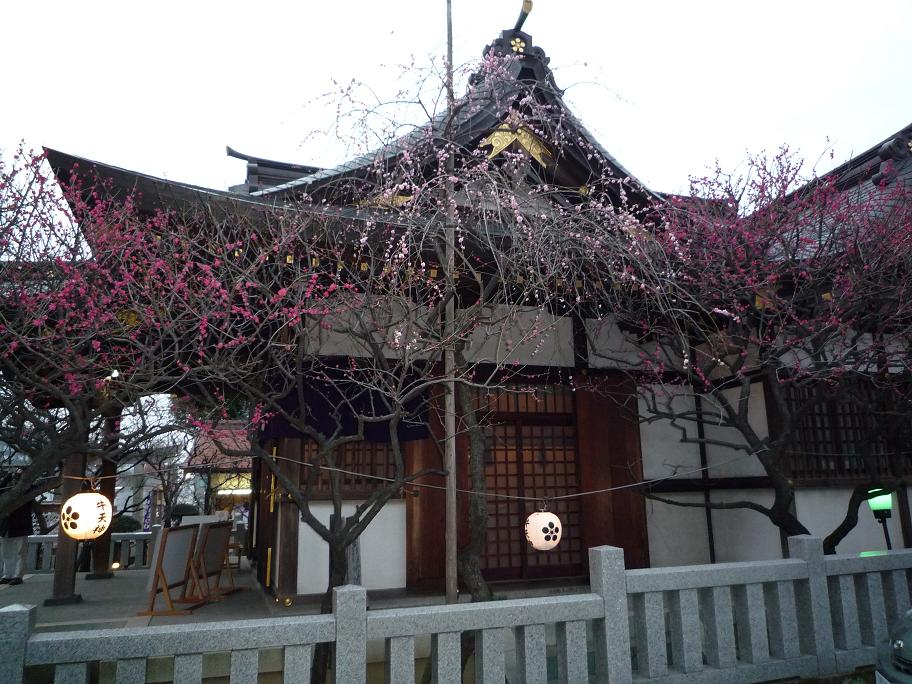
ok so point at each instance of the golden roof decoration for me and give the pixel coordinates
(505, 135)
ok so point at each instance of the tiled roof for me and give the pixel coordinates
(208, 451)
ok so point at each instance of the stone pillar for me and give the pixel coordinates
(16, 625)
(608, 579)
(350, 611)
(814, 602)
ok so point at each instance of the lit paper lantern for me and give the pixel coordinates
(543, 530)
(85, 516)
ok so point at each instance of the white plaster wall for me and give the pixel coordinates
(664, 453)
(821, 510)
(504, 335)
(390, 325)
(329, 335)
(660, 442)
(608, 347)
(530, 336)
(382, 549)
(728, 462)
(741, 534)
(677, 535)
(835, 351)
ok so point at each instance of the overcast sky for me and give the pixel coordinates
(667, 87)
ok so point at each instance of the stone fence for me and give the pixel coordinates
(129, 549)
(809, 615)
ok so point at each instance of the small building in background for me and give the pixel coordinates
(219, 475)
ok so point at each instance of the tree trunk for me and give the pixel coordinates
(786, 521)
(860, 494)
(338, 573)
(65, 565)
(780, 513)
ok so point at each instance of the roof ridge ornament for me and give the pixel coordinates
(523, 14)
(515, 42)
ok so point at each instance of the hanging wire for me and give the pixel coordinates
(470, 492)
(513, 497)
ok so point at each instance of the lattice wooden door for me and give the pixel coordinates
(533, 453)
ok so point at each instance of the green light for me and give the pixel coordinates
(880, 502)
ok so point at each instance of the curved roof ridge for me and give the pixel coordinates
(495, 97)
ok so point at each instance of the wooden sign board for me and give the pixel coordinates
(170, 566)
(209, 558)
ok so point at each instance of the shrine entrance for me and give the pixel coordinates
(533, 453)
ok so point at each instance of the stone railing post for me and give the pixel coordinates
(16, 625)
(350, 610)
(608, 579)
(815, 603)
(31, 555)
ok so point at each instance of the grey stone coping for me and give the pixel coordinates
(142, 642)
(805, 666)
(846, 564)
(848, 660)
(722, 574)
(470, 616)
(116, 536)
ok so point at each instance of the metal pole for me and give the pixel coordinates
(883, 521)
(449, 395)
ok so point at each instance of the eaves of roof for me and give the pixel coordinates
(301, 169)
(154, 193)
(882, 162)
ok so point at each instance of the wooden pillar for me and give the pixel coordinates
(905, 519)
(424, 555)
(207, 495)
(288, 520)
(266, 520)
(64, 590)
(608, 434)
(101, 547)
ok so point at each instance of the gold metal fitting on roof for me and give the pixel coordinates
(505, 135)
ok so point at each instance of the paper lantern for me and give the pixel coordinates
(543, 530)
(85, 516)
